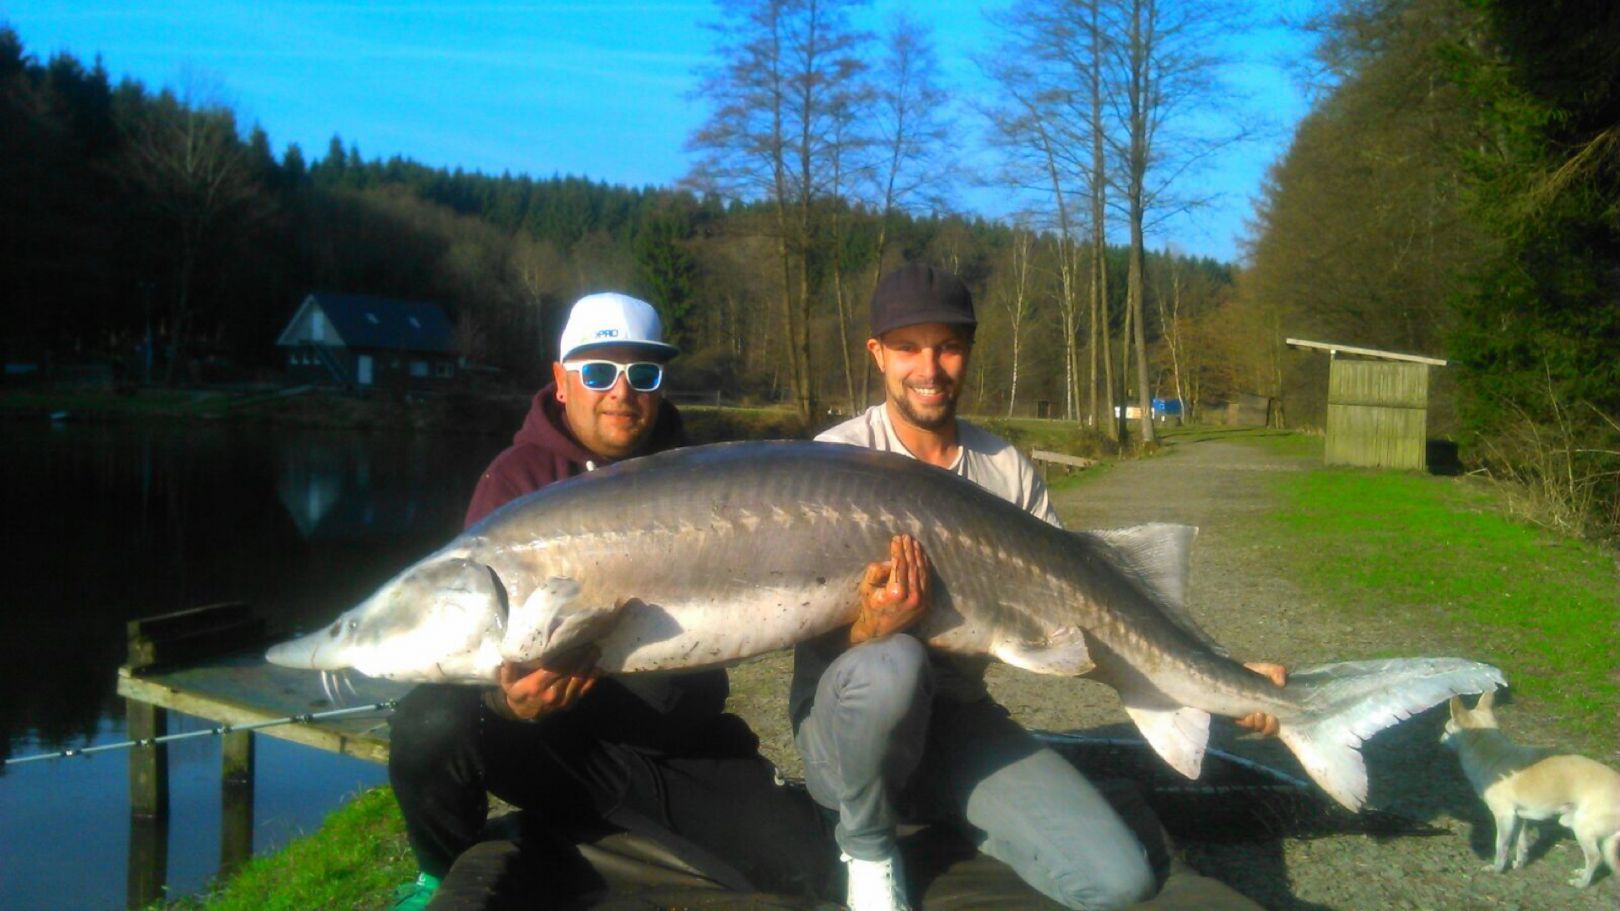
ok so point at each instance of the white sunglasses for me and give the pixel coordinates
(600, 376)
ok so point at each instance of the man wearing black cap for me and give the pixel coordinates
(922, 334)
(886, 726)
(864, 711)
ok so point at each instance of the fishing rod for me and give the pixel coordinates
(301, 718)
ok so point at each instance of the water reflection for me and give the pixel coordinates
(333, 490)
(104, 524)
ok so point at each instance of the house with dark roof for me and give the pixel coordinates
(362, 342)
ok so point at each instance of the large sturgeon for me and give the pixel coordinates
(707, 556)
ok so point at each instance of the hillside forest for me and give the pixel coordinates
(1453, 192)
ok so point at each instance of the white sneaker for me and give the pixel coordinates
(876, 885)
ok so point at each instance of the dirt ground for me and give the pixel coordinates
(1242, 598)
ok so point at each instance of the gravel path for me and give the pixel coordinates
(1242, 598)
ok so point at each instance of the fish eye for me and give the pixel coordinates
(354, 624)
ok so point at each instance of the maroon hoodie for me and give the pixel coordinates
(676, 713)
(544, 451)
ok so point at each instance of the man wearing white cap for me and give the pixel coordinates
(587, 416)
(651, 754)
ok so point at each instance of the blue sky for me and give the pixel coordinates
(598, 89)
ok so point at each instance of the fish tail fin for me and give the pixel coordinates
(1344, 704)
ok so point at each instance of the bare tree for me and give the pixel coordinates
(1047, 124)
(537, 271)
(1100, 408)
(1167, 95)
(185, 157)
(1015, 300)
(1171, 323)
(911, 128)
(778, 92)
(1031, 162)
(846, 144)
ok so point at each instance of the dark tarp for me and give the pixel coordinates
(623, 872)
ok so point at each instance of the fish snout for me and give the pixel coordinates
(320, 651)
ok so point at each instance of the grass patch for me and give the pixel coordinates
(1057, 436)
(354, 861)
(716, 424)
(1541, 607)
(1058, 480)
(1067, 437)
(1288, 443)
(100, 405)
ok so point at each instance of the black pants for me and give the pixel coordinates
(724, 814)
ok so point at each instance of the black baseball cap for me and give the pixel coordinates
(916, 293)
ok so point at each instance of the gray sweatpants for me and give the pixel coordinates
(877, 742)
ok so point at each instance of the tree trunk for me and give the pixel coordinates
(180, 326)
(1102, 413)
(1144, 393)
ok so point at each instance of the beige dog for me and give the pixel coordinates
(1526, 783)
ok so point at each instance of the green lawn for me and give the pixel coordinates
(97, 404)
(1290, 443)
(353, 862)
(1441, 552)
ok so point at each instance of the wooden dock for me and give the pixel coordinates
(242, 689)
(208, 662)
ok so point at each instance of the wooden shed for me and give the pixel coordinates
(1377, 406)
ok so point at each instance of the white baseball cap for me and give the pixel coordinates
(609, 318)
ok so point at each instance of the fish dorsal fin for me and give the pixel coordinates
(1159, 554)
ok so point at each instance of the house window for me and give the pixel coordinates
(441, 369)
(419, 368)
(317, 326)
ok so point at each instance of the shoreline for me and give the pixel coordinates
(484, 412)
(459, 412)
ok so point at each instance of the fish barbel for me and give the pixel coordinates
(710, 555)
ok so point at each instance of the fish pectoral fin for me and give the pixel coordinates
(1179, 734)
(551, 623)
(1063, 653)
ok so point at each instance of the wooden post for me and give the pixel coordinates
(147, 868)
(148, 764)
(237, 759)
(165, 641)
(148, 865)
(236, 801)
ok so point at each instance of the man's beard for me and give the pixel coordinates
(935, 421)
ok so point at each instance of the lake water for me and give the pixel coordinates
(108, 523)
